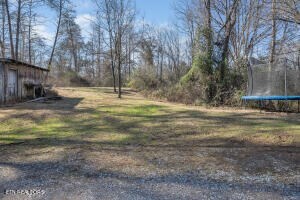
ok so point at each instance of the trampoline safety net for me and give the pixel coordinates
(277, 79)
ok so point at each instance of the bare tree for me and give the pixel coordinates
(12, 54)
(2, 39)
(228, 27)
(288, 11)
(189, 16)
(74, 40)
(60, 13)
(160, 52)
(118, 19)
(30, 31)
(173, 52)
(125, 15)
(19, 4)
(109, 20)
(274, 32)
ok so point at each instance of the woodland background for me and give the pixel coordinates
(201, 58)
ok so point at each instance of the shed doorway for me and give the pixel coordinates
(12, 84)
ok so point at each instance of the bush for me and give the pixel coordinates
(188, 94)
(235, 98)
(144, 79)
(68, 79)
(199, 86)
(199, 80)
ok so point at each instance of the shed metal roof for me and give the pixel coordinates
(8, 60)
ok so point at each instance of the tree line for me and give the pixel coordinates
(202, 56)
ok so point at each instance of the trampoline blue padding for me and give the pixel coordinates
(258, 98)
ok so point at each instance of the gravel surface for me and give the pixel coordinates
(107, 186)
(72, 177)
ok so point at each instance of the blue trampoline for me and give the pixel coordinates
(279, 81)
(270, 98)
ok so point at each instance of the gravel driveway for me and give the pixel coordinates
(74, 177)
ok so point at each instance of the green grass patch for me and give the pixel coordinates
(95, 115)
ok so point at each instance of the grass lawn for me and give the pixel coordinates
(95, 115)
(91, 131)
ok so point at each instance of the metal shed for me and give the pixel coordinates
(19, 80)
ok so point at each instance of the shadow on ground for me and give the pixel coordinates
(150, 145)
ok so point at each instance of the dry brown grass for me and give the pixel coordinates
(92, 131)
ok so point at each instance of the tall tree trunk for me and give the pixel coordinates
(230, 22)
(209, 51)
(119, 62)
(110, 32)
(56, 35)
(209, 36)
(10, 31)
(229, 25)
(161, 66)
(74, 52)
(129, 57)
(98, 55)
(2, 46)
(22, 50)
(112, 64)
(119, 50)
(29, 32)
(18, 29)
(120, 78)
(274, 32)
(2, 41)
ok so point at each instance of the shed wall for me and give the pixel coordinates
(27, 77)
(1, 83)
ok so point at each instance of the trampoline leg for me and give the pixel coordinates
(244, 104)
(260, 106)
